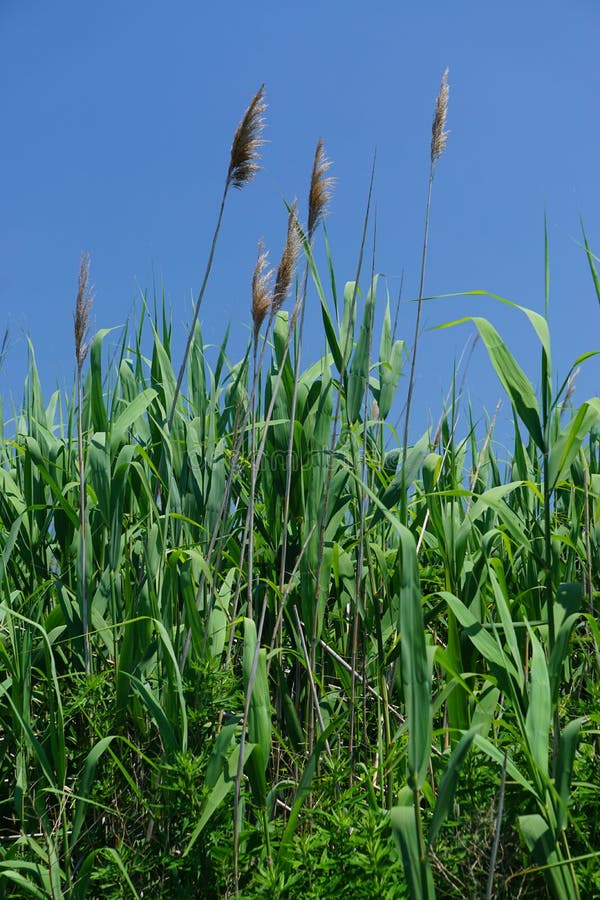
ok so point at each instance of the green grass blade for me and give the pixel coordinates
(539, 711)
(540, 842)
(567, 747)
(416, 673)
(405, 834)
(222, 787)
(448, 784)
(304, 786)
(593, 270)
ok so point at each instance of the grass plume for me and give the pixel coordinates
(287, 263)
(320, 189)
(439, 135)
(247, 141)
(261, 290)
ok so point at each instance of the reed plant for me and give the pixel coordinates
(253, 643)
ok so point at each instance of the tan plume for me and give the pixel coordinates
(261, 289)
(285, 271)
(83, 308)
(247, 142)
(320, 189)
(439, 136)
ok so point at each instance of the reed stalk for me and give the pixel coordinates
(439, 138)
(83, 308)
(243, 166)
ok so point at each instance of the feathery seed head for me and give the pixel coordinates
(287, 264)
(247, 142)
(261, 289)
(320, 189)
(83, 307)
(439, 136)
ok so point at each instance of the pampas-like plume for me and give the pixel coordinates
(247, 142)
(261, 289)
(287, 264)
(439, 136)
(83, 308)
(320, 189)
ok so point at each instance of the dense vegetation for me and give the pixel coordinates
(253, 641)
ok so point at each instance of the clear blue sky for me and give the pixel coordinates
(117, 119)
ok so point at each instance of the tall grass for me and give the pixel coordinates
(248, 647)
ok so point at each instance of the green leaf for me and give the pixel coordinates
(84, 786)
(358, 375)
(259, 715)
(566, 611)
(590, 256)
(565, 758)
(132, 412)
(513, 379)
(416, 672)
(539, 710)
(223, 785)
(480, 638)
(448, 784)
(568, 443)
(390, 365)
(98, 409)
(404, 829)
(540, 842)
(301, 794)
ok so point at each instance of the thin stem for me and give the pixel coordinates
(496, 842)
(413, 361)
(198, 305)
(82, 531)
(334, 435)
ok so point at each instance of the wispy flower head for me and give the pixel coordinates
(439, 136)
(247, 142)
(261, 289)
(285, 271)
(83, 308)
(320, 189)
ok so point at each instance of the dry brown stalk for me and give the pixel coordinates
(320, 189)
(247, 142)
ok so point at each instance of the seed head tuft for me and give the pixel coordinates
(287, 264)
(439, 136)
(320, 189)
(261, 289)
(83, 307)
(247, 142)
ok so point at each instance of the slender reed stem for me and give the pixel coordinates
(242, 169)
(362, 509)
(83, 307)
(334, 434)
(438, 144)
(190, 338)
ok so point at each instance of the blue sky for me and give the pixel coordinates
(117, 122)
